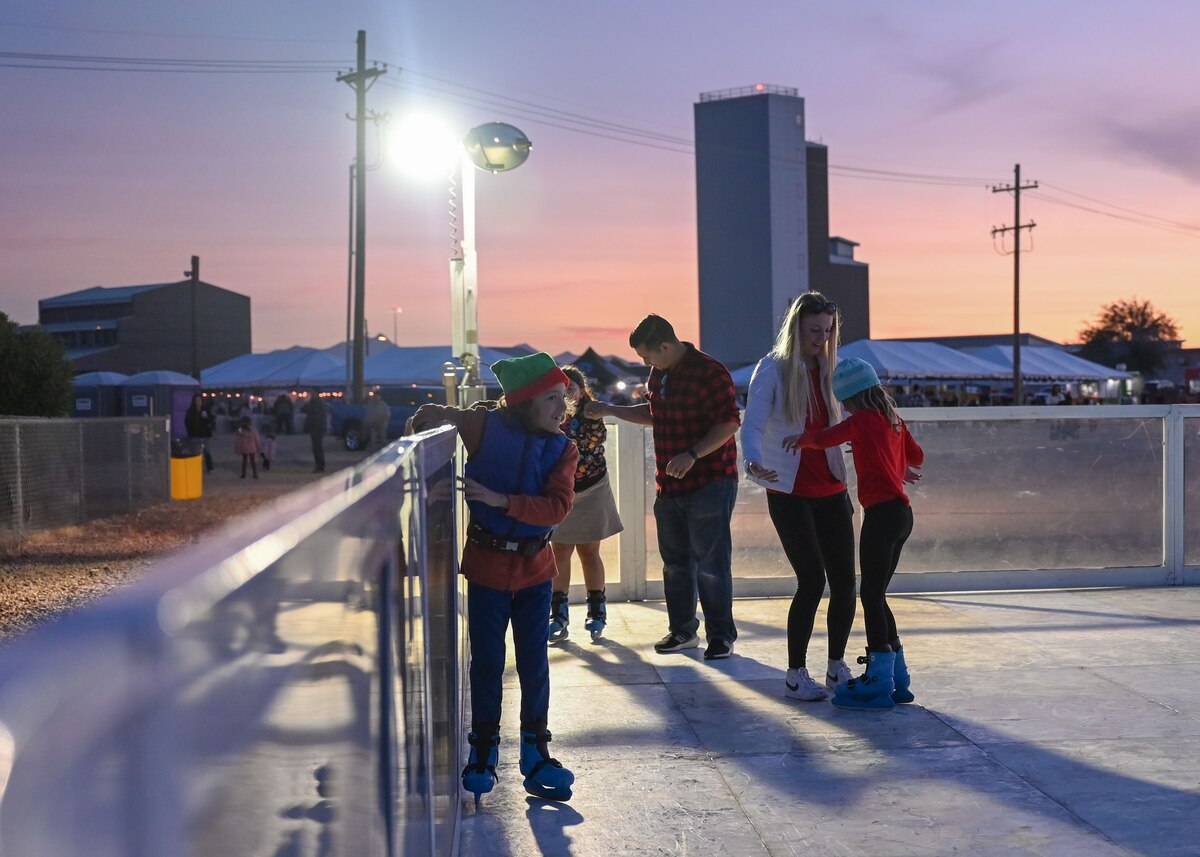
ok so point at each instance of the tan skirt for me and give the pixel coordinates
(593, 518)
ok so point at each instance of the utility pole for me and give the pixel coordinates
(1015, 188)
(360, 81)
(194, 276)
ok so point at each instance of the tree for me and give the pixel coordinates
(35, 375)
(1132, 332)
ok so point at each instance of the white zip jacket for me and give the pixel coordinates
(764, 428)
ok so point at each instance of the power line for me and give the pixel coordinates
(78, 62)
(164, 35)
(445, 89)
(597, 129)
(1141, 214)
(666, 138)
(567, 121)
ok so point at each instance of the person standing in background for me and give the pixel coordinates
(198, 423)
(314, 426)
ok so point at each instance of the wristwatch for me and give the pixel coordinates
(692, 453)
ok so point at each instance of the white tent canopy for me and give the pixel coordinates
(405, 366)
(909, 361)
(920, 360)
(1039, 363)
(264, 370)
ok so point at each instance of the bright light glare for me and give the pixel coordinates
(423, 147)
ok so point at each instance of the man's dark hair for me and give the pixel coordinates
(651, 332)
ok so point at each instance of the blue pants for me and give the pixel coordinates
(489, 612)
(697, 555)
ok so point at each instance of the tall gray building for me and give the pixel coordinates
(762, 210)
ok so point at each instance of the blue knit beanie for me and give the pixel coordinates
(852, 376)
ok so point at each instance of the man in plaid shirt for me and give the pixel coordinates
(693, 408)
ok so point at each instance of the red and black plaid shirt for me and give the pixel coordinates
(686, 401)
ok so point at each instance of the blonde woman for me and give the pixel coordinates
(791, 392)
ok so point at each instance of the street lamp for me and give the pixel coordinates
(495, 147)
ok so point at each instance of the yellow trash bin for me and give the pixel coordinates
(187, 472)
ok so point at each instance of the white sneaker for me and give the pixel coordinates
(800, 685)
(840, 675)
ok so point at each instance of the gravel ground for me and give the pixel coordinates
(54, 571)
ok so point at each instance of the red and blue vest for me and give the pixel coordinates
(512, 461)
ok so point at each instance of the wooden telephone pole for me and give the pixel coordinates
(1015, 188)
(360, 81)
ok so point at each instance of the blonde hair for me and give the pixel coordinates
(875, 398)
(793, 370)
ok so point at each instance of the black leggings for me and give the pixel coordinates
(886, 527)
(817, 535)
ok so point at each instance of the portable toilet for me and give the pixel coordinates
(160, 394)
(97, 394)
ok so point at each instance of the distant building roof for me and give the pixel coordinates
(743, 91)
(101, 295)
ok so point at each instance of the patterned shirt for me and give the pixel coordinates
(685, 402)
(589, 437)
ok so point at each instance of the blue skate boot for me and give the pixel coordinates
(597, 613)
(545, 777)
(901, 694)
(560, 618)
(479, 776)
(873, 689)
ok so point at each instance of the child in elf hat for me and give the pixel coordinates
(519, 484)
(884, 453)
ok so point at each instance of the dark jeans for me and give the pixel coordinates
(817, 534)
(208, 463)
(697, 555)
(489, 612)
(886, 527)
(318, 448)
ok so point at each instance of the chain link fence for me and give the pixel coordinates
(59, 472)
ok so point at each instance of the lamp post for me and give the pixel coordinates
(495, 147)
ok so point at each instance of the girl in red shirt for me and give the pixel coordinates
(884, 453)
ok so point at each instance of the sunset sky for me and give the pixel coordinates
(117, 177)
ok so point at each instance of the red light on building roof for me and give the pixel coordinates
(759, 87)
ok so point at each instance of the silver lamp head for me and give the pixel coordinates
(497, 147)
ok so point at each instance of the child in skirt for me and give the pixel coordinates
(519, 484)
(247, 444)
(593, 518)
(884, 455)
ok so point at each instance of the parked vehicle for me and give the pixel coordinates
(348, 421)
